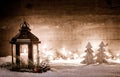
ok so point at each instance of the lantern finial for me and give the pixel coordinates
(25, 26)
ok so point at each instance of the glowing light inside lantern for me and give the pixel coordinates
(25, 51)
(24, 56)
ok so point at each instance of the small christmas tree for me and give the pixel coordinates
(101, 56)
(89, 55)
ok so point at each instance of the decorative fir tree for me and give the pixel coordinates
(89, 55)
(101, 56)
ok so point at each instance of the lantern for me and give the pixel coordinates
(24, 47)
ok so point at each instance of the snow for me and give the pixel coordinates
(68, 70)
(5, 59)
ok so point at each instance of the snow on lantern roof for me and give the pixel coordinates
(24, 35)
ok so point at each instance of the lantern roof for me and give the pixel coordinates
(24, 35)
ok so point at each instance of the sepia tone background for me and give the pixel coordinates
(62, 23)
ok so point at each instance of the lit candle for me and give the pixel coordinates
(24, 56)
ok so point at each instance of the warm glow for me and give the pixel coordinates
(64, 55)
(64, 52)
(117, 54)
(117, 60)
(114, 60)
(24, 56)
(68, 61)
(24, 53)
(75, 56)
(60, 56)
(44, 46)
(108, 54)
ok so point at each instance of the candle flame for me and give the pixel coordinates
(25, 51)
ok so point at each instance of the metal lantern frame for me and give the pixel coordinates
(24, 37)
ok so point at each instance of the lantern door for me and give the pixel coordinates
(24, 54)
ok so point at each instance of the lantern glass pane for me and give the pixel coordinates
(24, 54)
(35, 53)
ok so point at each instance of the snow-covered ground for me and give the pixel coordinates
(66, 70)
